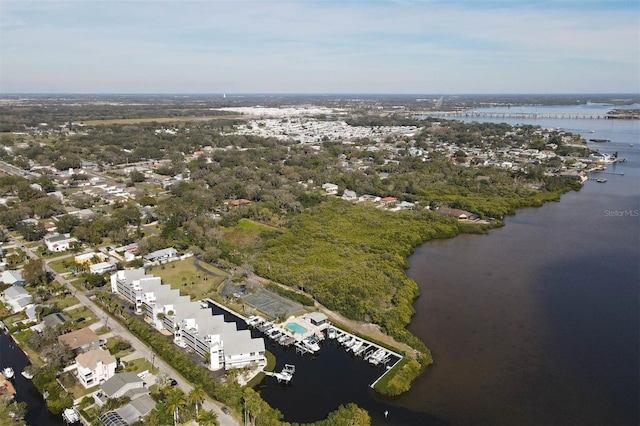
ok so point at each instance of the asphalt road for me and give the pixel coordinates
(119, 329)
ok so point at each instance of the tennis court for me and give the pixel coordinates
(272, 304)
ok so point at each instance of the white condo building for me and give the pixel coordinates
(192, 327)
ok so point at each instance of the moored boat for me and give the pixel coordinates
(8, 373)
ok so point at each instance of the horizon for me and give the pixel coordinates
(316, 47)
(319, 94)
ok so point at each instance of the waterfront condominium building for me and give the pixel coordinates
(217, 341)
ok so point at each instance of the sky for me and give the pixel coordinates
(329, 46)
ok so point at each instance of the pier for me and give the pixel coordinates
(370, 352)
(285, 376)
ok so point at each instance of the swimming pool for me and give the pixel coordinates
(296, 328)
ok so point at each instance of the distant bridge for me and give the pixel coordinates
(516, 115)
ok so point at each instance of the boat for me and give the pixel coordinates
(357, 345)
(311, 343)
(601, 180)
(348, 343)
(26, 375)
(70, 415)
(331, 333)
(8, 373)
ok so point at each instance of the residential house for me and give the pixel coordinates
(121, 384)
(161, 255)
(457, 213)
(388, 201)
(17, 298)
(95, 366)
(234, 204)
(12, 277)
(349, 195)
(55, 319)
(330, 188)
(58, 242)
(81, 340)
(370, 198)
(102, 267)
(129, 413)
(89, 258)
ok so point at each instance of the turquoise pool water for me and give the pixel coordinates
(296, 328)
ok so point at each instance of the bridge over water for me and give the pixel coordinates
(512, 115)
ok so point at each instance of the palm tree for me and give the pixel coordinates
(196, 396)
(207, 418)
(176, 401)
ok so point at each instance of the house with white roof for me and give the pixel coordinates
(17, 298)
(58, 242)
(330, 188)
(94, 367)
(161, 255)
(102, 267)
(12, 277)
(349, 195)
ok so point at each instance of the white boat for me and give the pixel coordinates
(331, 333)
(70, 415)
(254, 321)
(27, 375)
(350, 342)
(357, 345)
(8, 373)
(311, 343)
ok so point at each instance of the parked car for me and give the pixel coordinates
(225, 410)
(173, 382)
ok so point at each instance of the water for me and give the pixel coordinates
(37, 414)
(535, 323)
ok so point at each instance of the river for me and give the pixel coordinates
(535, 323)
(12, 356)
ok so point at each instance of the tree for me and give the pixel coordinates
(207, 418)
(57, 354)
(176, 401)
(196, 396)
(34, 272)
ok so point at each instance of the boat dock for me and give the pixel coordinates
(371, 352)
(284, 376)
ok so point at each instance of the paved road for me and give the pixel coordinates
(119, 329)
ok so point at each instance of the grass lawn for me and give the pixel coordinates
(64, 301)
(102, 330)
(183, 275)
(82, 312)
(139, 365)
(73, 386)
(111, 346)
(60, 266)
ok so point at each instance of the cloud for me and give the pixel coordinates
(378, 46)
